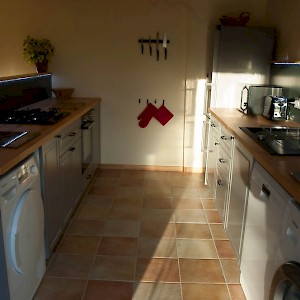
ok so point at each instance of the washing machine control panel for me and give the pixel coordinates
(23, 173)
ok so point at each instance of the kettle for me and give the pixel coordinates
(275, 108)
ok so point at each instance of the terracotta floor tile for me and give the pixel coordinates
(129, 181)
(92, 211)
(114, 268)
(125, 213)
(187, 183)
(225, 249)
(218, 231)
(133, 173)
(187, 203)
(70, 265)
(162, 247)
(231, 270)
(60, 289)
(121, 246)
(185, 192)
(157, 229)
(105, 182)
(195, 291)
(201, 270)
(157, 270)
(158, 202)
(190, 216)
(159, 191)
(86, 227)
(208, 204)
(130, 191)
(79, 244)
(128, 201)
(104, 201)
(157, 215)
(103, 190)
(156, 182)
(113, 173)
(191, 230)
(236, 292)
(108, 290)
(213, 216)
(157, 291)
(157, 175)
(205, 192)
(186, 176)
(195, 248)
(121, 228)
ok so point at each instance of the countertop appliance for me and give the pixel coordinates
(286, 279)
(275, 108)
(253, 97)
(33, 116)
(277, 140)
(22, 216)
(267, 204)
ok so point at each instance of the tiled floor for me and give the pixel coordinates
(144, 235)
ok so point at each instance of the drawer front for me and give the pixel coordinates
(226, 141)
(69, 135)
(214, 127)
(223, 161)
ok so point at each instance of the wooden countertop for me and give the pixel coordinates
(280, 167)
(9, 157)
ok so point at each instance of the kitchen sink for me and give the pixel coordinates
(277, 140)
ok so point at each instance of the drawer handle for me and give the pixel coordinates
(219, 181)
(89, 177)
(73, 149)
(72, 134)
(223, 137)
(212, 125)
(58, 136)
(222, 160)
(216, 143)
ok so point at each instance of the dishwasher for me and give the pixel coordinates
(267, 206)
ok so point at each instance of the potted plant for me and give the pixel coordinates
(38, 52)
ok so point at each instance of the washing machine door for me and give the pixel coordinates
(27, 234)
(286, 282)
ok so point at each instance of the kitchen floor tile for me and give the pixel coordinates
(121, 246)
(189, 216)
(157, 229)
(157, 270)
(195, 248)
(195, 291)
(158, 202)
(60, 289)
(86, 227)
(121, 228)
(162, 247)
(70, 265)
(107, 267)
(157, 291)
(79, 244)
(108, 290)
(201, 270)
(187, 203)
(193, 230)
(144, 235)
(225, 249)
(157, 215)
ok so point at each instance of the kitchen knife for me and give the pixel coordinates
(150, 47)
(157, 44)
(165, 44)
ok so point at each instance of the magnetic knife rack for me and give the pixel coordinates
(152, 41)
(156, 42)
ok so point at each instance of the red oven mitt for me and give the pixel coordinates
(163, 115)
(147, 114)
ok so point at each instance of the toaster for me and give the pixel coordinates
(275, 108)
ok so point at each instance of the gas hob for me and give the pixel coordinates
(33, 116)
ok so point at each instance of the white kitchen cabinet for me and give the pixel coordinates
(212, 152)
(61, 180)
(240, 182)
(224, 169)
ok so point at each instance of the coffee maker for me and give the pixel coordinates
(275, 108)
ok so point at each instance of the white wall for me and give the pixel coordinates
(97, 53)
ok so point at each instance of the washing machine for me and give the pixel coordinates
(286, 280)
(22, 220)
(266, 211)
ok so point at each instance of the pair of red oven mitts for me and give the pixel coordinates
(162, 115)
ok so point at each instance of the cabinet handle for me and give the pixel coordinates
(89, 177)
(216, 143)
(219, 182)
(72, 134)
(58, 136)
(73, 149)
(223, 137)
(222, 160)
(212, 125)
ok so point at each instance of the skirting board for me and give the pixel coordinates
(151, 168)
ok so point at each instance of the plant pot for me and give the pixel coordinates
(41, 67)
